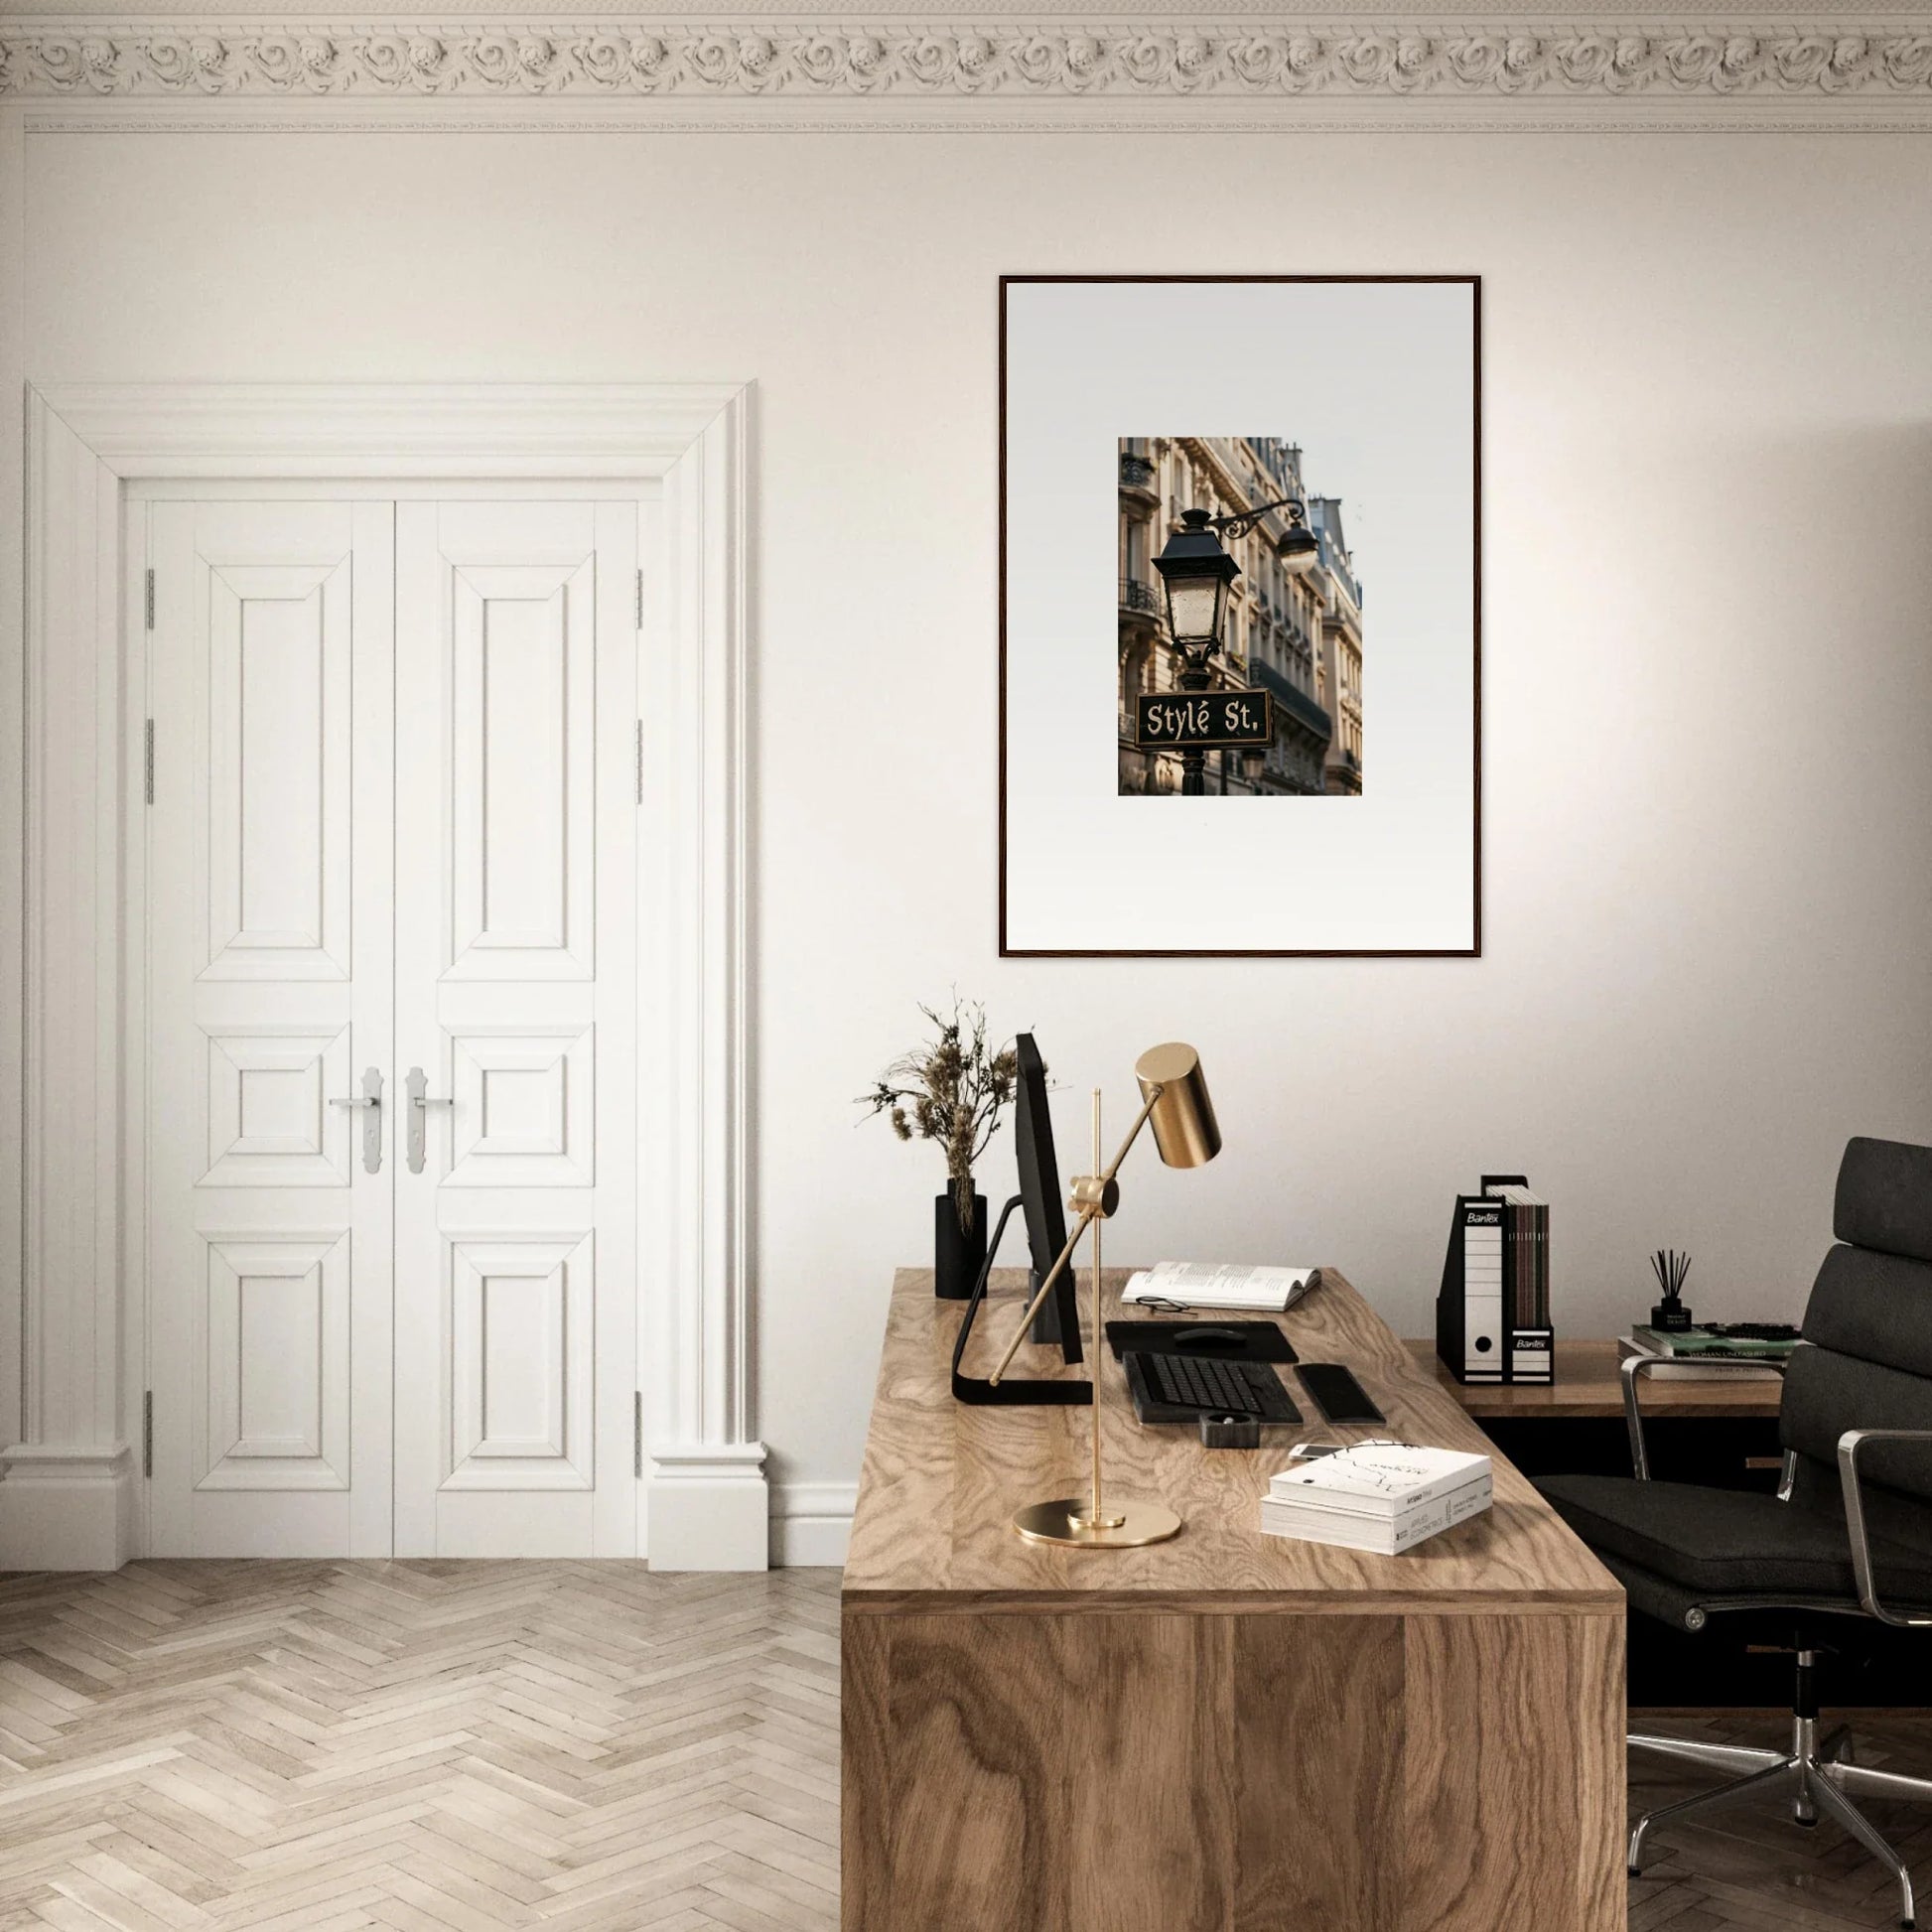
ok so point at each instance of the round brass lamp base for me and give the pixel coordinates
(1129, 1526)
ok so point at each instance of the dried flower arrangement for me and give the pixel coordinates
(953, 1090)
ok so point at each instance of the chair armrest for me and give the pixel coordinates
(1633, 1367)
(1849, 1446)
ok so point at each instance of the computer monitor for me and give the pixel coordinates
(1038, 1200)
(1039, 1195)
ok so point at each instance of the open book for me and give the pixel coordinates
(1212, 1284)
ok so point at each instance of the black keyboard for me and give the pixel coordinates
(1188, 1386)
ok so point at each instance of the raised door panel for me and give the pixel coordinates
(270, 1121)
(523, 1107)
(522, 764)
(278, 769)
(275, 1395)
(520, 1337)
(270, 961)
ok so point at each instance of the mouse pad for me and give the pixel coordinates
(1231, 1341)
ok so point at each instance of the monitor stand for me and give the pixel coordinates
(1047, 1323)
(1011, 1390)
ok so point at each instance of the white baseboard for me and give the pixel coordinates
(709, 1508)
(811, 1523)
(74, 1509)
(65, 1508)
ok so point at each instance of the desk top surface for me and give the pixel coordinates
(942, 1478)
(1588, 1385)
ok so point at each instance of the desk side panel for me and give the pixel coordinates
(1151, 1772)
(968, 1803)
(1150, 1704)
(1318, 1743)
(864, 1770)
(1513, 1773)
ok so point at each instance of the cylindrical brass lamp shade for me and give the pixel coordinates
(1182, 1118)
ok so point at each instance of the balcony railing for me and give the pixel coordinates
(1137, 596)
(1294, 701)
(1136, 473)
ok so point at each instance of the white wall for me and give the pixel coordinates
(1708, 657)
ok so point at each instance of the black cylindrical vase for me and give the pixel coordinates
(957, 1256)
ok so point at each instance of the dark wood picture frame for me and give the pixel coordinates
(1474, 949)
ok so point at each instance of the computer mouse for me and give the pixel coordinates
(1208, 1337)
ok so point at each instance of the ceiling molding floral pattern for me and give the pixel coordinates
(70, 59)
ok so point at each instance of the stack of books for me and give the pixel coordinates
(1381, 1496)
(1684, 1354)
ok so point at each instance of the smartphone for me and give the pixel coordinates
(1336, 1393)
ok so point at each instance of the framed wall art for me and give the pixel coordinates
(1267, 741)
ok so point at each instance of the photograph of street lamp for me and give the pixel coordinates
(1239, 664)
(1238, 636)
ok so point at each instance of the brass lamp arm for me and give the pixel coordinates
(1090, 1211)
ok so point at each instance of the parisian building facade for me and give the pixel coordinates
(1297, 635)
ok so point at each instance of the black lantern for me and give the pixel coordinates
(1197, 573)
(1299, 549)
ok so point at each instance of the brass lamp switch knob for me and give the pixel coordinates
(1097, 1193)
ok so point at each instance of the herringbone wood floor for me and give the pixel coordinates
(315, 1747)
(419, 1745)
(1752, 1865)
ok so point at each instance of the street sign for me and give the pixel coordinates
(1205, 721)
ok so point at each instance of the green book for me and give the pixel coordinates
(1701, 1341)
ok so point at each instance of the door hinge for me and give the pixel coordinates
(641, 761)
(638, 1434)
(147, 763)
(147, 1433)
(640, 600)
(149, 595)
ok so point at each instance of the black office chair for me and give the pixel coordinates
(1848, 1536)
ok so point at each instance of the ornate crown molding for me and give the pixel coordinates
(1128, 61)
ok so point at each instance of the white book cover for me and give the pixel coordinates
(1217, 1285)
(1383, 1477)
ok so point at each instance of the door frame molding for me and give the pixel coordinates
(69, 1494)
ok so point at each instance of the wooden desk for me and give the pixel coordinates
(1227, 1733)
(1587, 1386)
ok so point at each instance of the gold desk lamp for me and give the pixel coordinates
(1174, 1102)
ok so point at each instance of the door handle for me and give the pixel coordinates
(370, 1098)
(420, 1102)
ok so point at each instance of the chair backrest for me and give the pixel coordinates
(1868, 1327)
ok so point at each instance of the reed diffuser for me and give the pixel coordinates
(1670, 1315)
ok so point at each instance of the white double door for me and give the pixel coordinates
(391, 859)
